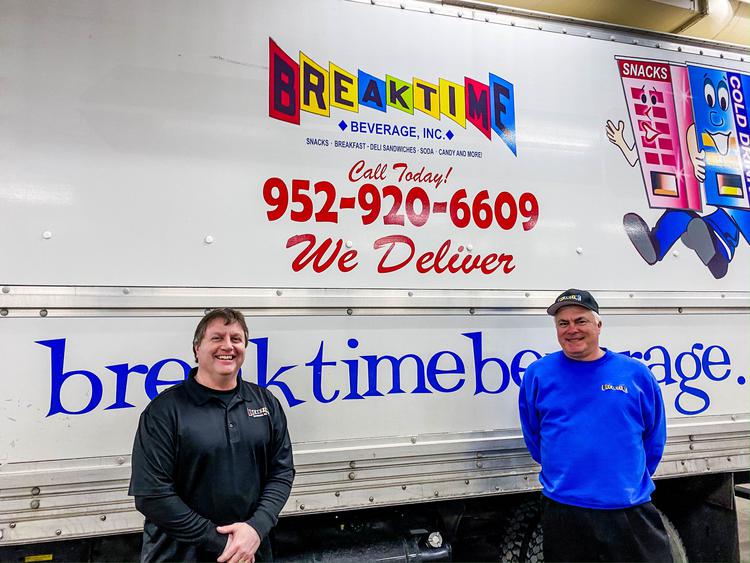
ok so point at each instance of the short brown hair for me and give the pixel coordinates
(228, 315)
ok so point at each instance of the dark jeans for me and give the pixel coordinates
(574, 534)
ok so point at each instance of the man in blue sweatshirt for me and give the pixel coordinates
(594, 420)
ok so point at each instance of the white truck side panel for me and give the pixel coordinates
(136, 132)
(135, 142)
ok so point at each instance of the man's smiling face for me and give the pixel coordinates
(221, 352)
(578, 333)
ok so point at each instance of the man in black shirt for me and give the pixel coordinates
(212, 458)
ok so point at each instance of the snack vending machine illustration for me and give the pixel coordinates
(659, 105)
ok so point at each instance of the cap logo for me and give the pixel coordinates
(569, 298)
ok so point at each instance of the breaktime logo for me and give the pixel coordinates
(304, 85)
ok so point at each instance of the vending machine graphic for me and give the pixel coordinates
(658, 100)
(721, 127)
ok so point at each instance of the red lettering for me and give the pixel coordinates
(317, 255)
(441, 261)
(360, 171)
(391, 242)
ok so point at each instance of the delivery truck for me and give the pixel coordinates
(393, 193)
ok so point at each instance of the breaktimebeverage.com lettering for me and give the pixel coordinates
(472, 369)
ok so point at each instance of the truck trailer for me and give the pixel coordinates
(392, 193)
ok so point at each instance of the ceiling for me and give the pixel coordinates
(727, 21)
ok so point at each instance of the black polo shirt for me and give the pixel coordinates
(201, 462)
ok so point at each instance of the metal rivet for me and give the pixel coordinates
(692, 446)
(301, 506)
(679, 309)
(564, 31)
(352, 464)
(4, 312)
(631, 295)
(126, 290)
(675, 253)
(372, 499)
(349, 311)
(34, 504)
(403, 487)
(43, 313)
(351, 476)
(611, 37)
(539, 27)
(6, 289)
(469, 247)
(700, 52)
(337, 493)
(527, 294)
(497, 487)
(58, 532)
(721, 55)
(682, 462)
(103, 517)
(46, 235)
(723, 296)
(436, 493)
(466, 482)
(120, 460)
(513, 23)
(679, 49)
(12, 524)
(479, 464)
(35, 491)
(588, 34)
(348, 244)
(209, 239)
(658, 45)
(410, 294)
(413, 439)
(579, 250)
(635, 42)
(279, 292)
(471, 311)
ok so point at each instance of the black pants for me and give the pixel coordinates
(574, 534)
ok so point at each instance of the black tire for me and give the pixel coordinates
(522, 537)
(679, 555)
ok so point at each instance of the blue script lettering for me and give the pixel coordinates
(377, 375)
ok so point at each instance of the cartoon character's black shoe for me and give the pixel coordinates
(699, 236)
(641, 237)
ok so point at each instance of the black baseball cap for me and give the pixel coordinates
(573, 297)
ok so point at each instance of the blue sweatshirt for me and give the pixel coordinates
(597, 428)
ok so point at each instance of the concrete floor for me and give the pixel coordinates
(743, 521)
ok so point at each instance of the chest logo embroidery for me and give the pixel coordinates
(262, 411)
(610, 387)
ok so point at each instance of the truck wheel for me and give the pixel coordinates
(522, 538)
(679, 555)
